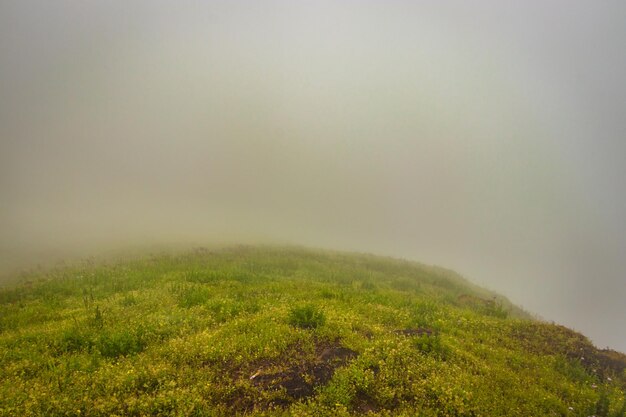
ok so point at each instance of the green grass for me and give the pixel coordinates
(287, 331)
(307, 317)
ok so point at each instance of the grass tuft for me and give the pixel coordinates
(307, 317)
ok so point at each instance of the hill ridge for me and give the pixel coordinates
(267, 330)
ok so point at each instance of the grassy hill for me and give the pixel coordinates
(287, 331)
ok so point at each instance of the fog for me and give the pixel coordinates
(487, 137)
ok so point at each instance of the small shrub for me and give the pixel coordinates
(112, 345)
(403, 284)
(203, 276)
(328, 294)
(88, 298)
(193, 296)
(431, 345)
(97, 320)
(306, 317)
(222, 310)
(128, 300)
(368, 286)
(495, 309)
(425, 314)
(572, 369)
(602, 405)
(622, 411)
(74, 340)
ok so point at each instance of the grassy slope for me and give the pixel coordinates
(184, 334)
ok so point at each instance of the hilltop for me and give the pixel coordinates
(254, 330)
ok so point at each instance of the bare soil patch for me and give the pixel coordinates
(279, 382)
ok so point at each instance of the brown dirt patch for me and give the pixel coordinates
(363, 404)
(276, 383)
(299, 380)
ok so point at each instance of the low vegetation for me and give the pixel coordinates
(267, 331)
(306, 317)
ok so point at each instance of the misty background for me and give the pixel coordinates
(487, 137)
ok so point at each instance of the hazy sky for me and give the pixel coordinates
(486, 136)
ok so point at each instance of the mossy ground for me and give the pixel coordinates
(287, 331)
